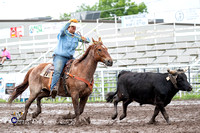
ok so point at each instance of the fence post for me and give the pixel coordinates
(189, 74)
(102, 83)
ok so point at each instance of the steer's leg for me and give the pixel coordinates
(125, 105)
(156, 111)
(164, 113)
(115, 101)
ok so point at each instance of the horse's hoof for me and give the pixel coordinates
(22, 118)
(88, 120)
(34, 115)
(69, 116)
(77, 123)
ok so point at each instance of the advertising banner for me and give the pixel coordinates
(134, 20)
(16, 31)
(49, 28)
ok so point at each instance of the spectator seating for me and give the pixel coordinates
(159, 44)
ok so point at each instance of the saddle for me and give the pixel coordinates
(48, 71)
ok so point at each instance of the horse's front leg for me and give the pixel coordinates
(75, 101)
(83, 101)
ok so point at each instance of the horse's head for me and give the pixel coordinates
(101, 53)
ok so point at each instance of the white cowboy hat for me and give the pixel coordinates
(73, 24)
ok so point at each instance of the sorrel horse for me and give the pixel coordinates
(84, 68)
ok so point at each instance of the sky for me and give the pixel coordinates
(23, 9)
(169, 5)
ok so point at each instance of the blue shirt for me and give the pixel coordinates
(67, 43)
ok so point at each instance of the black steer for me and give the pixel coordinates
(148, 88)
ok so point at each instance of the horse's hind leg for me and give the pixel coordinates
(125, 105)
(28, 103)
(40, 96)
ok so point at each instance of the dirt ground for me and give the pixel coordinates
(184, 117)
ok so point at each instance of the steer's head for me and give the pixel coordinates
(180, 79)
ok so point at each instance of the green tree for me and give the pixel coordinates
(65, 16)
(110, 8)
(85, 7)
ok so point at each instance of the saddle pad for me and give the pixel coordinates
(45, 73)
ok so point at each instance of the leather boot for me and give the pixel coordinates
(55, 89)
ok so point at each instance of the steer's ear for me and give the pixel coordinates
(174, 72)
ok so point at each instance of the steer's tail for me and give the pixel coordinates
(20, 88)
(111, 95)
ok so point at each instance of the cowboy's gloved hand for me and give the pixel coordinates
(73, 20)
(83, 38)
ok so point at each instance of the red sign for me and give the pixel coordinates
(16, 32)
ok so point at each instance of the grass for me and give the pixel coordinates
(2, 101)
(188, 96)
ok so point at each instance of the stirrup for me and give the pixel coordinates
(53, 93)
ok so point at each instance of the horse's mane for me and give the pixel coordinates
(84, 55)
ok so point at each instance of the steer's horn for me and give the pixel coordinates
(185, 69)
(171, 71)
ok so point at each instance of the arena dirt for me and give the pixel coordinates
(184, 117)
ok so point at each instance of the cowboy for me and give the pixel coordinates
(67, 43)
(5, 55)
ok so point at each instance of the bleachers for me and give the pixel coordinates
(150, 45)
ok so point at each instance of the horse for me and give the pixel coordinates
(79, 90)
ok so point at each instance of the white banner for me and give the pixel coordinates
(45, 28)
(134, 20)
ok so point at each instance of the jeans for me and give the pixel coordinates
(59, 63)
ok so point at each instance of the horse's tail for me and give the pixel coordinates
(20, 88)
